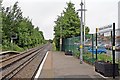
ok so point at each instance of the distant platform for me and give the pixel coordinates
(5, 54)
(8, 52)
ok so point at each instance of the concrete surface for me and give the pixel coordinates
(58, 65)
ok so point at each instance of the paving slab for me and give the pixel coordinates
(60, 66)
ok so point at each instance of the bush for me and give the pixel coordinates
(104, 57)
(87, 57)
(77, 54)
(53, 46)
(101, 57)
(0, 47)
(119, 63)
(17, 48)
(12, 47)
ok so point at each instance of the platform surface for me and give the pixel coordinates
(58, 65)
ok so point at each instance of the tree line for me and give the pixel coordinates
(67, 24)
(18, 29)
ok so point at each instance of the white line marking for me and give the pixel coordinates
(102, 75)
(41, 66)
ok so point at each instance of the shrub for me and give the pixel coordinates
(12, 47)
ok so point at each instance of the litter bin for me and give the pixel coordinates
(68, 53)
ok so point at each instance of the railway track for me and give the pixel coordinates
(10, 57)
(23, 65)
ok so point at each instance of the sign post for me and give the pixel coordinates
(13, 36)
(96, 42)
(109, 28)
(113, 50)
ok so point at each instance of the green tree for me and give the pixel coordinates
(67, 24)
(15, 24)
(11, 18)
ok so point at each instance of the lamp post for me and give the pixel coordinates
(61, 35)
(84, 28)
(81, 34)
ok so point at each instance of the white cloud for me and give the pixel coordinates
(44, 12)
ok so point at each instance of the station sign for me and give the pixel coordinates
(108, 27)
(14, 36)
(105, 30)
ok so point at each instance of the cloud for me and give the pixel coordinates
(44, 12)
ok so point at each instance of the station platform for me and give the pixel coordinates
(8, 52)
(59, 66)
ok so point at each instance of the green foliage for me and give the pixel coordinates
(119, 63)
(14, 24)
(53, 46)
(101, 57)
(12, 47)
(0, 47)
(67, 24)
(104, 57)
(77, 54)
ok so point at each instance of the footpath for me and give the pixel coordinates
(60, 66)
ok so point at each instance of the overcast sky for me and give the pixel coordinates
(44, 12)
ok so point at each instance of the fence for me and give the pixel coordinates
(72, 44)
(104, 40)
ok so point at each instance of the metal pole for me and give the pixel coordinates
(81, 30)
(92, 48)
(113, 50)
(61, 36)
(84, 25)
(96, 42)
(12, 43)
